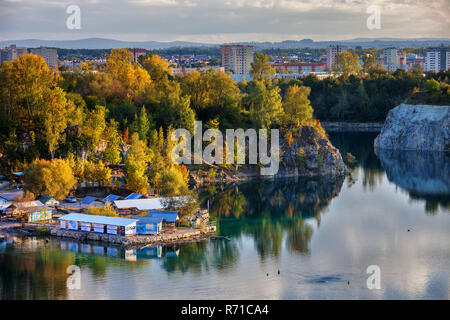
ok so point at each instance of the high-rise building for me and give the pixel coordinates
(332, 51)
(50, 55)
(438, 58)
(389, 56)
(11, 53)
(237, 58)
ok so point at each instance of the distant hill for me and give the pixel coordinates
(101, 43)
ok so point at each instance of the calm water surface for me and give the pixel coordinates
(321, 234)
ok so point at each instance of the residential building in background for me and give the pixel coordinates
(237, 58)
(394, 59)
(11, 53)
(438, 58)
(185, 71)
(332, 51)
(299, 67)
(50, 55)
(137, 53)
(389, 56)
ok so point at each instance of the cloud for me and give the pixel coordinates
(227, 20)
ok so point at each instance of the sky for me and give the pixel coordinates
(218, 21)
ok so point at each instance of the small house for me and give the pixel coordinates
(111, 198)
(24, 208)
(148, 225)
(42, 215)
(48, 201)
(168, 217)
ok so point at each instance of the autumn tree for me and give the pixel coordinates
(347, 63)
(296, 105)
(53, 178)
(111, 154)
(136, 166)
(157, 67)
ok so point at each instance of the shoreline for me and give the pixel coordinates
(352, 126)
(181, 235)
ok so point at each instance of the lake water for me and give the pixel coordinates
(321, 233)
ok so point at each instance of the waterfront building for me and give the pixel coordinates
(50, 55)
(169, 218)
(437, 58)
(332, 51)
(98, 224)
(149, 225)
(237, 58)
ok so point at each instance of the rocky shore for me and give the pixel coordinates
(352, 126)
(416, 127)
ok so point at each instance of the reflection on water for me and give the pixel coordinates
(321, 233)
(270, 210)
(424, 175)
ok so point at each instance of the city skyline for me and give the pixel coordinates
(215, 22)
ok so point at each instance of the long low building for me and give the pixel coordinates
(142, 204)
(98, 224)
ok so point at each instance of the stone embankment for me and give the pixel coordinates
(176, 236)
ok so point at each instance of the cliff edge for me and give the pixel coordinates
(416, 127)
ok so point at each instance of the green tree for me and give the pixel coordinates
(347, 63)
(260, 67)
(266, 107)
(432, 85)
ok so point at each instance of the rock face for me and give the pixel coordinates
(309, 153)
(416, 127)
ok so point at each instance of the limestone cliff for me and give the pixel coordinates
(416, 127)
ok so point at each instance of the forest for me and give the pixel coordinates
(69, 127)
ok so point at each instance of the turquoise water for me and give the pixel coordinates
(321, 234)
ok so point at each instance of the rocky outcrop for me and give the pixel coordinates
(416, 127)
(308, 152)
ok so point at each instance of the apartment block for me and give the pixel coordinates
(237, 58)
(50, 55)
(11, 53)
(438, 58)
(332, 51)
